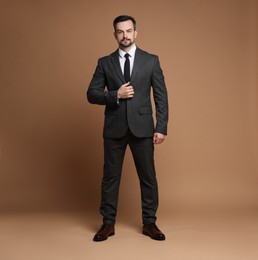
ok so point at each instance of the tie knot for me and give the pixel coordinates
(127, 55)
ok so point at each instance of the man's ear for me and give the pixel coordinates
(115, 35)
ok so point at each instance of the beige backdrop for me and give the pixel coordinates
(51, 138)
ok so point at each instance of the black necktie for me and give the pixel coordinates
(127, 68)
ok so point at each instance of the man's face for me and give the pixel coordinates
(125, 34)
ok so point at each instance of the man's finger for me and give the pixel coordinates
(126, 84)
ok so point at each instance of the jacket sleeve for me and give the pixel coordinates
(96, 93)
(160, 98)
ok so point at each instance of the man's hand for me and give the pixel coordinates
(158, 138)
(125, 91)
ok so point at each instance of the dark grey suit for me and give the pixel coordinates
(130, 121)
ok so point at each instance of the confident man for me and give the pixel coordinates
(122, 82)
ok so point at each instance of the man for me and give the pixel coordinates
(122, 82)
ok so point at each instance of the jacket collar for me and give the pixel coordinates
(138, 63)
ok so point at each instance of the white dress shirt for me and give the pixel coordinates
(131, 58)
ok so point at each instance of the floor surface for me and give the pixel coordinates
(54, 236)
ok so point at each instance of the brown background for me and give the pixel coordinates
(51, 138)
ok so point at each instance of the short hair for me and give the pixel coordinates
(123, 18)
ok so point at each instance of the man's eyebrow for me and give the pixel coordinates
(120, 30)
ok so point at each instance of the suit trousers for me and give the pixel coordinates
(143, 154)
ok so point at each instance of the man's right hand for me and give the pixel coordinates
(125, 91)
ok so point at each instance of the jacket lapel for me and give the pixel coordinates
(117, 67)
(138, 63)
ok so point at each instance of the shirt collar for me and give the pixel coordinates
(131, 52)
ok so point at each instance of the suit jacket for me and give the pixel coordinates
(134, 113)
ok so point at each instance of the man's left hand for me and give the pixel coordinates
(158, 138)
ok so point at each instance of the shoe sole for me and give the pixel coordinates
(158, 239)
(99, 240)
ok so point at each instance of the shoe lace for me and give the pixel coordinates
(155, 226)
(104, 227)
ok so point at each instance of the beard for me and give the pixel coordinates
(126, 43)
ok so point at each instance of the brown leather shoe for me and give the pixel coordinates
(153, 232)
(105, 231)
